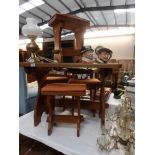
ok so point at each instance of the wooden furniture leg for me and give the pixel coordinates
(102, 106)
(79, 119)
(72, 110)
(78, 40)
(50, 115)
(57, 37)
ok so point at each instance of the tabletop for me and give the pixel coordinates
(90, 65)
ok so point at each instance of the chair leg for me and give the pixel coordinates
(93, 100)
(72, 110)
(78, 121)
(51, 114)
(64, 104)
(102, 106)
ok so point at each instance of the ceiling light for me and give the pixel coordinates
(37, 2)
(44, 26)
(112, 32)
(29, 5)
(65, 35)
(119, 10)
(131, 10)
(69, 34)
(124, 10)
(21, 10)
(26, 6)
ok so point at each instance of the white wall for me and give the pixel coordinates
(24, 42)
(23, 46)
(122, 46)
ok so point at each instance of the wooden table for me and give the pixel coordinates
(75, 24)
(40, 70)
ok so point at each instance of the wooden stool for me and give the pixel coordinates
(64, 89)
(92, 84)
(69, 22)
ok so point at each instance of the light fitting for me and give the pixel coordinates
(117, 11)
(110, 32)
(44, 26)
(29, 5)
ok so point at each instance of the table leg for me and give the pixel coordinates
(40, 75)
(116, 79)
(38, 109)
(79, 119)
(102, 105)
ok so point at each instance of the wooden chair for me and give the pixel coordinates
(64, 89)
(93, 84)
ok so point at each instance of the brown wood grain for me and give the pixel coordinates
(69, 65)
